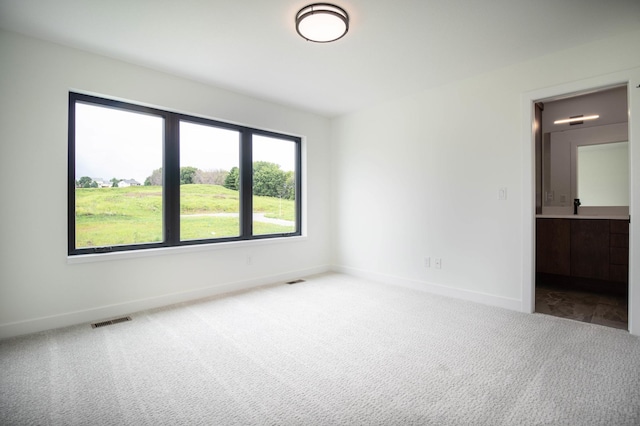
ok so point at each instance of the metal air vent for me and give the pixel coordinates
(110, 322)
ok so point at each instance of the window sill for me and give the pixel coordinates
(102, 257)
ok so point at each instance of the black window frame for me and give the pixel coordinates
(171, 177)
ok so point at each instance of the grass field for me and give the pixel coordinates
(116, 216)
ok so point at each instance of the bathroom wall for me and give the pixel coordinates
(558, 174)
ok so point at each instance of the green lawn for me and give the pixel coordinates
(115, 216)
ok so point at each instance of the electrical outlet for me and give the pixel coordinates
(427, 262)
(502, 193)
(438, 263)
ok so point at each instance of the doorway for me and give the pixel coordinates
(632, 79)
(582, 207)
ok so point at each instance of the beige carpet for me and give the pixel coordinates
(333, 350)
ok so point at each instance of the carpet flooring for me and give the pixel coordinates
(334, 350)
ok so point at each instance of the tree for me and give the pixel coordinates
(155, 178)
(268, 179)
(289, 188)
(187, 174)
(210, 177)
(232, 181)
(114, 182)
(86, 182)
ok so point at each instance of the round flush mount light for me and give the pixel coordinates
(322, 22)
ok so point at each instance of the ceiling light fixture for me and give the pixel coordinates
(574, 119)
(322, 22)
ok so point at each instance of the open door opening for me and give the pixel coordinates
(582, 207)
(582, 199)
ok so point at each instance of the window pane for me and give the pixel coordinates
(116, 152)
(133, 180)
(274, 189)
(209, 182)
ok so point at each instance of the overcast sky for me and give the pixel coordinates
(127, 145)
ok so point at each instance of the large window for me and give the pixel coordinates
(141, 178)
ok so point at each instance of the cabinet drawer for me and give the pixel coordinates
(619, 226)
(618, 256)
(619, 240)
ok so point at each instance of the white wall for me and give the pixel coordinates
(39, 289)
(419, 176)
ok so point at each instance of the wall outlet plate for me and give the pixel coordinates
(502, 193)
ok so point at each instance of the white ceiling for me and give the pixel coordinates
(393, 48)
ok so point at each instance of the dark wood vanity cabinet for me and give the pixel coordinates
(591, 249)
(553, 246)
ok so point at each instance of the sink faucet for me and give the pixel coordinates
(576, 204)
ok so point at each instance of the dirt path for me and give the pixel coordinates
(257, 217)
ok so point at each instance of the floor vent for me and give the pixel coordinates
(295, 281)
(110, 322)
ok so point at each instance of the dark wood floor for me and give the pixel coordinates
(602, 309)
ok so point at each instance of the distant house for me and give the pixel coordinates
(102, 183)
(128, 182)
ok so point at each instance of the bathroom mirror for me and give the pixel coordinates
(603, 174)
(591, 164)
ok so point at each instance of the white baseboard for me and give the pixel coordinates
(110, 311)
(473, 296)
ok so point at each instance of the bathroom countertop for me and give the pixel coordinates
(579, 216)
